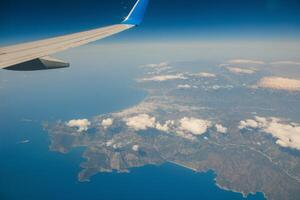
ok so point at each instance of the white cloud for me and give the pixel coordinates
(218, 87)
(205, 75)
(287, 134)
(187, 128)
(162, 78)
(245, 61)
(109, 143)
(286, 62)
(237, 70)
(279, 83)
(141, 122)
(145, 121)
(117, 146)
(81, 124)
(221, 129)
(249, 123)
(135, 147)
(159, 65)
(106, 123)
(194, 125)
(186, 86)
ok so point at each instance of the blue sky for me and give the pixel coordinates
(166, 19)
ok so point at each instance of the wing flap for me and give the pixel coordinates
(39, 64)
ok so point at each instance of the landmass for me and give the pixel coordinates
(203, 121)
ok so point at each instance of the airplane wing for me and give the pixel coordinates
(35, 55)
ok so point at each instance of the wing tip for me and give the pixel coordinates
(137, 13)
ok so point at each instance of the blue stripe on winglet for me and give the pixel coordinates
(137, 13)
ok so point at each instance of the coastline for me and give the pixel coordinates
(216, 183)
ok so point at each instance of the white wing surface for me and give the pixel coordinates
(34, 55)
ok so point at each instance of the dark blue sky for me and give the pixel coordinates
(166, 19)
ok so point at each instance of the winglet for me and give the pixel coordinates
(137, 13)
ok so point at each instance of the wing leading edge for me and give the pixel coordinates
(34, 55)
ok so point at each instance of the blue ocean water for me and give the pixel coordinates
(30, 171)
